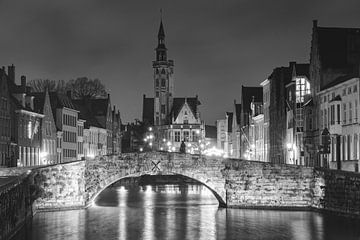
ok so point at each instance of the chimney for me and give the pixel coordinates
(23, 83)
(68, 93)
(315, 23)
(11, 73)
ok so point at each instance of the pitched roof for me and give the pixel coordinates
(237, 112)
(248, 94)
(98, 106)
(336, 45)
(339, 80)
(210, 131)
(59, 100)
(302, 69)
(179, 102)
(85, 113)
(148, 110)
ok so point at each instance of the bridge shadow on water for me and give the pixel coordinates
(164, 190)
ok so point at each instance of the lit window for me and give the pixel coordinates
(29, 130)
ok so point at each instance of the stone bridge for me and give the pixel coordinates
(234, 182)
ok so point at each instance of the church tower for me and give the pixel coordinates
(163, 82)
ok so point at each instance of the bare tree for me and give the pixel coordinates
(39, 85)
(84, 88)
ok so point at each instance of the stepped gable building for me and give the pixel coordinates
(172, 119)
(334, 58)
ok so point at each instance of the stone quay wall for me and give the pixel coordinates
(60, 186)
(252, 184)
(337, 191)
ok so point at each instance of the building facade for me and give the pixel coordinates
(66, 118)
(339, 114)
(334, 54)
(42, 105)
(256, 133)
(248, 95)
(7, 154)
(266, 105)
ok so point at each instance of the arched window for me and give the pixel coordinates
(163, 82)
(163, 71)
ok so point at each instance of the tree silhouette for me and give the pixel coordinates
(85, 88)
(39, 85)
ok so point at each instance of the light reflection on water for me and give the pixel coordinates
(181, 212)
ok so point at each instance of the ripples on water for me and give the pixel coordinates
(181, 212)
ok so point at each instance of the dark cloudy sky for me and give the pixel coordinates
(217, 45)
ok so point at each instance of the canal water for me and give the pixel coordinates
(181, 212)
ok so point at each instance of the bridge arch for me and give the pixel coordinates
(107, 183)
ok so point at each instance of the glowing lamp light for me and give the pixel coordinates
(173, 148)
(43, 154)
(252, 145)
(141, 149)
(150, 129)
(161, 148)
(164, 140)
(197, 131)
(288, 145)
(150, 144)
(168, 143)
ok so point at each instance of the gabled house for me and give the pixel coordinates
(66, 118)
(42, 105)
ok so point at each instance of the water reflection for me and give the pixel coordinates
(181, 212)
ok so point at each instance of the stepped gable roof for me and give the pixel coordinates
(178, 103)
(247, 95)
(210, 131)
(237, 112)
(230, 120)
(60, 100)
(85, 113)
(148, 110)
(335, 46)
(339, 80)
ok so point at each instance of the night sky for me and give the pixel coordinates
(217, 45)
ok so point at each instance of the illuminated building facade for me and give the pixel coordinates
(297, 91)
